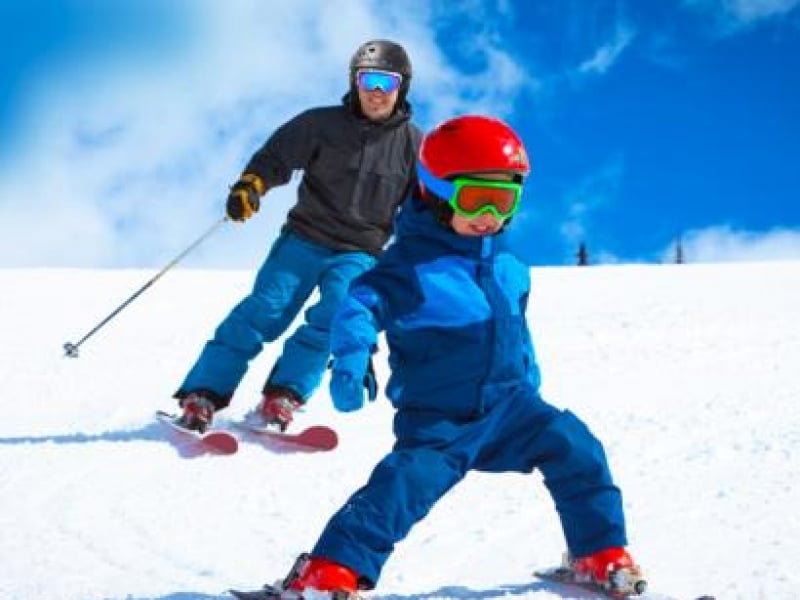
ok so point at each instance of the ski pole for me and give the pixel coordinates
(71, 349)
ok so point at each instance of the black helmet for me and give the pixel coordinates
(385, 55)
(381, 54)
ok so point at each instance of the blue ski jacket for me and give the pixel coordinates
(453, 309)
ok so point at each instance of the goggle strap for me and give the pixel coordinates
(440, 187)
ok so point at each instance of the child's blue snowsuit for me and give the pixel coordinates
(465, 384)
(287, 278)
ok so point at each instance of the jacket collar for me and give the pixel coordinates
(416, 220)
(401, 114)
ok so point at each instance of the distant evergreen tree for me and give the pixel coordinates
(679, 260)
(583, 255)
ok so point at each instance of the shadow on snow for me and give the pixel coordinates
(149, 433)
(186, 446)
(448, 592)
(152, 432)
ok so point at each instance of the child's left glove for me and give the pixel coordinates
(351, 376)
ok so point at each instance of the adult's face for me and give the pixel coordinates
(377, 105)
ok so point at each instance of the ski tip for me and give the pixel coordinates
(323, 437)
(315, 438)
(221, 441)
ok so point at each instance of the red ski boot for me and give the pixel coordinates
(316, 577)
(198, 412)
(310, 578)
(278, 405)
(612, 569)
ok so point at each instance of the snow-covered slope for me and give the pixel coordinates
(689, 374)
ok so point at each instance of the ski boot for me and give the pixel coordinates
(611, 569)
(277, 407)
(310, 578)
(198, 412)
(317, 578)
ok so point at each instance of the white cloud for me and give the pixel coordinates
(725, 244)
(127, 162)
(753, 10)
(733, 15)
(442, 89)
(608, 54)
(493, 90)
(598, 190)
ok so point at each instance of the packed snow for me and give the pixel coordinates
(689, 374)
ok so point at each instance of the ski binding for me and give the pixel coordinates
(216, 440)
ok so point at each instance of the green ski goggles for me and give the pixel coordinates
(471, 197)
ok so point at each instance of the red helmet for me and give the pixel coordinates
(473, 144)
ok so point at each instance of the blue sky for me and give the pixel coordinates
(122, 123)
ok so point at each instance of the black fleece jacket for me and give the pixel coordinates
(356, 173)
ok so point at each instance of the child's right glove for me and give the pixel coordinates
(351, 376)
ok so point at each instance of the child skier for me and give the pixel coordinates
(452, 301)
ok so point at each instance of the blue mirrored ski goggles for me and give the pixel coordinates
(372, 79)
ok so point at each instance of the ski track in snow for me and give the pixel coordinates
(688, 374)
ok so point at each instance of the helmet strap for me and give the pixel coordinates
(442, 211)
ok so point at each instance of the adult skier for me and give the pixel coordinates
(357, 160)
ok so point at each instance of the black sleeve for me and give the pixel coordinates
(290, 148)
(416, 137)
(414, 142)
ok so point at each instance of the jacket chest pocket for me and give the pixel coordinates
(378, 195)
(384, 175)
(336, 165)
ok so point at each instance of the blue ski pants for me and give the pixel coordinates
(520, 432)
(284, 283)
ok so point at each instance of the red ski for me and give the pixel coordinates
(215, 440)
(317, 438)
(637, 590)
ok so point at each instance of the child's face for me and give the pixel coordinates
(483, 224)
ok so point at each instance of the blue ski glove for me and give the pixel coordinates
(352, 375)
